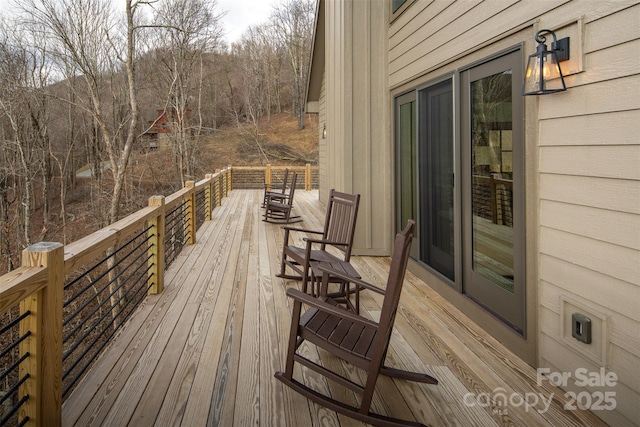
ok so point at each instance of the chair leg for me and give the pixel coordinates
(367, 394)
(293, 339)
(285, 242)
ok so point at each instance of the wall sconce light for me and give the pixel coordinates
(324, 131)
(543, 74)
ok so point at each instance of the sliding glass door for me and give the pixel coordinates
(475, 228)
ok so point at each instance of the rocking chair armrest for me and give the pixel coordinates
(356, 281)
(311, 240)
(328, 308)
(302, 230)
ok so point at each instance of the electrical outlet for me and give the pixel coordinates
(581, 327)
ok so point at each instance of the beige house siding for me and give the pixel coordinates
(589, 141)
(583, 174)
(582, 160)
(358, 155)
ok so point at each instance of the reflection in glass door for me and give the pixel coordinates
(492, 179)
(493, 196)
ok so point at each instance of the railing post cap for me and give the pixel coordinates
(43, 247)
(156, 200)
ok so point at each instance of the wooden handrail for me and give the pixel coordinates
(19, 284)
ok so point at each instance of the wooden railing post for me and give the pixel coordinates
(44, 364)
(191, 212)
(230, 179)
(208, 198)
(267, 177)
(218, 189)
(307, 177)
(155, 279)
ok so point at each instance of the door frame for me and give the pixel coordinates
(507, 306)
(524, 345)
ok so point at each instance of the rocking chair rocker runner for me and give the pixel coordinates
(339, 229)
(353, 338)
(278, 207)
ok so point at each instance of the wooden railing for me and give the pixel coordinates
(38, 289)
(493, 199)
(257, 176)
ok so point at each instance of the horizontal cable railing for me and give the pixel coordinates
(200, 208)
(10, 358)
(258, 176)
(493, 199)
(99, 301)
(176, 232)
(62, 307)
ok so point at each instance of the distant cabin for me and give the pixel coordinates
(161, 130)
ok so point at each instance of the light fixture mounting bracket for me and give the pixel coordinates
(562, 49)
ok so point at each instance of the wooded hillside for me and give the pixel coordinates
(100, 108)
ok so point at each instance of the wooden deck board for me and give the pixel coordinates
(204, 352)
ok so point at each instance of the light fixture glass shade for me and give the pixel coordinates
(543, 74)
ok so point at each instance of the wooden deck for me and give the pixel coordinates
(204, 351)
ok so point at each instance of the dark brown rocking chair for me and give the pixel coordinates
(339, 229)
(277, 193)
(278, 209)
(353, 338)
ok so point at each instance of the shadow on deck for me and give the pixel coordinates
(205, 350)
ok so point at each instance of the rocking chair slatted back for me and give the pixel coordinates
(278, 207)
(275, 191)
(340, 222)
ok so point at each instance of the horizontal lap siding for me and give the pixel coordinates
(590, 207)
(588, 143)
(432, 36)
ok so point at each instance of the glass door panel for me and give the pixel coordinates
(436, 177)
(492, 148)
(492, 179)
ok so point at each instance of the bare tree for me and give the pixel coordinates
(85, 37)
(293, 23)
(24, 107)
(186, 31)
(85, 33)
